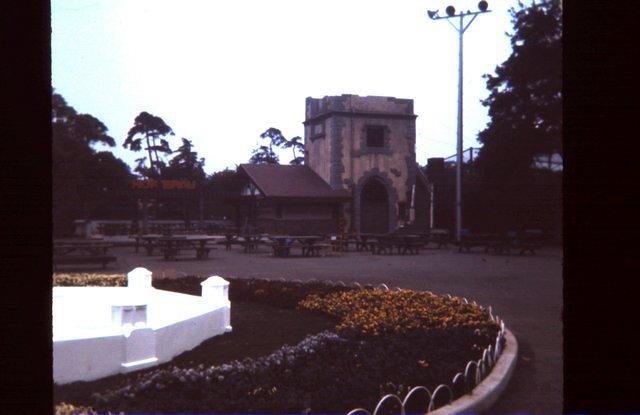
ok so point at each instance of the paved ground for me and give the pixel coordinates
(526, 291)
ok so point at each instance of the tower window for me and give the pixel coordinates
(375, 136)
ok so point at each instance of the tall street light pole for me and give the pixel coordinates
(461, 28)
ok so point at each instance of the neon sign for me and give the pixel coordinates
(164, 184)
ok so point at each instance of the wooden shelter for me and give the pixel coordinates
(281, 199)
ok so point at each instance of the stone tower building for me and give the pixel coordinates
(366, 145)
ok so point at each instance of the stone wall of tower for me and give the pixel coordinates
(335, 138)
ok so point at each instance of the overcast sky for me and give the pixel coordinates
(222, 72)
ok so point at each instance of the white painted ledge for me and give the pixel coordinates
(103, 331)
(487, 392)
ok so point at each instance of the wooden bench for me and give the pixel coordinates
(281, 250)
(530, 240)
(525, 246)
(469, 240)
(284, 250)
(307, 249)
(318, 249)
(340, 244)
(228, 244)
(229, 240)
(385, 245)
(172, 252)
(411, 247)
(401, 248)
(439, 237)
(249, 246)
(150, 246)
(82, 259)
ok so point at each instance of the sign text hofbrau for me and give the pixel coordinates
(163, 184)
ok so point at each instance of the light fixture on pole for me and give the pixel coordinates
(461, 28)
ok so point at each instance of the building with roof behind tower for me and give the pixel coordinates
(360, 168)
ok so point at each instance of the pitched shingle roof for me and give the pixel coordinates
(290, 181)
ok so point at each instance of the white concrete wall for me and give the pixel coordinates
(89, 359)
(88, 344)
(177, 338)
(75, 360)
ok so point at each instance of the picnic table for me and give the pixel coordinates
(440, 237)
(363, 241)
(229, 239)
(529, 240)
(250, 242)
(489, 240)
(310, 244)
(172, 245)
(149, 241)
(402, 243)
(81, 251)
(340, 243)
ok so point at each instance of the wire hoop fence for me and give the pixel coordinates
(462, 382)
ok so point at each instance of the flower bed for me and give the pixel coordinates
(89, 280)
(381, 313)
(384, 342)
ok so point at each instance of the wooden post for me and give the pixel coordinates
(145, 215)
(201, 207)
(431, 205)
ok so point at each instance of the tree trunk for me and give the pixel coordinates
(150, 154)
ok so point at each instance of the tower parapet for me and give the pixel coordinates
(351, 140)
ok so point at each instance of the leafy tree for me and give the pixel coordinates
(153, 131)
(76, 129)
(186, 161)
(503, 190)
(83, 181)
(220, 188)
(185, 165)
(106, 177)
(266, 154)
(525, 100)
(226, 183)
(296, 144)
(91, 130)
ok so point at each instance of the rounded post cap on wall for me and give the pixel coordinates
(139, 278)
(214, 281)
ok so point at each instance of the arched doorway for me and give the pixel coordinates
(374, 207)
